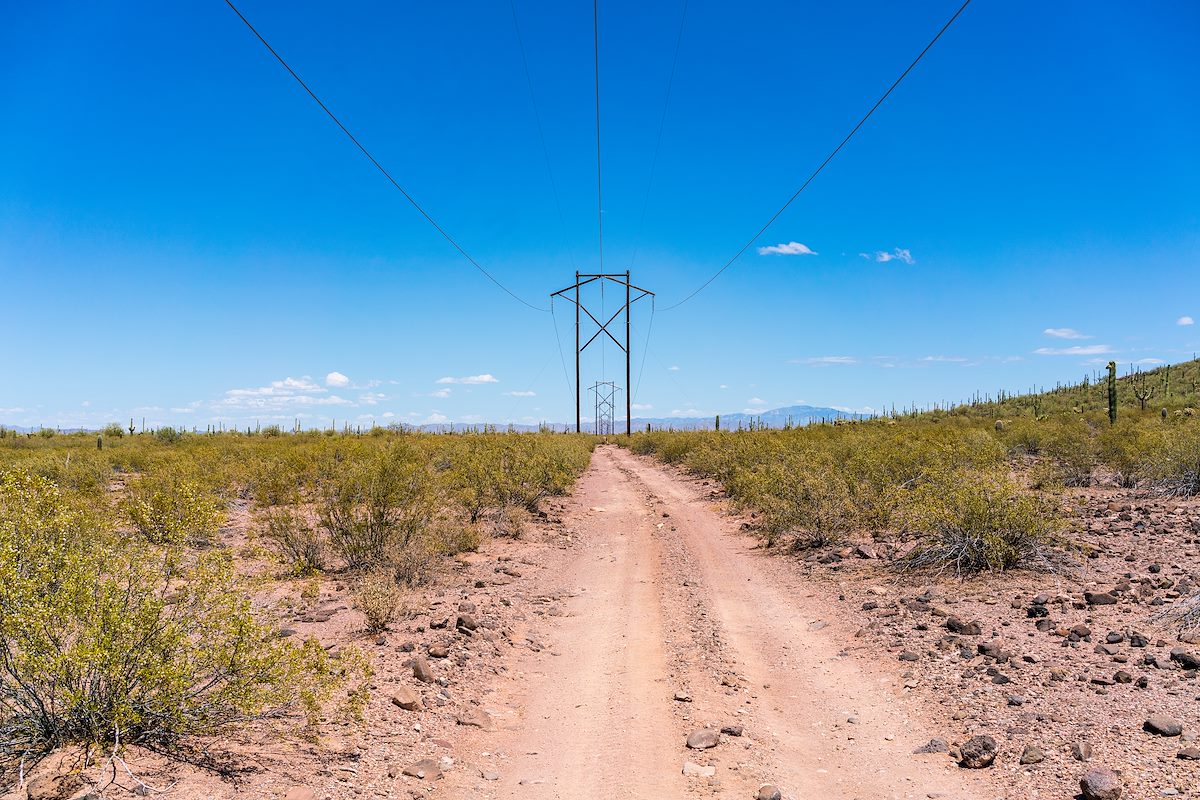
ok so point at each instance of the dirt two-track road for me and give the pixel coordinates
(673, 621)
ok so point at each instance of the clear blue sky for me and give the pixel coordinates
(185, 236)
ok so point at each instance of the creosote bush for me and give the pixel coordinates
(173, 511)
(107, 639)
(298, 544)
(975, 521)
(380, 599)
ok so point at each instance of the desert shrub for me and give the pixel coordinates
(380, 599)
(375, 506)
(973, 521)
(113, 430)
(1171, 464)
(1069, 453)
(106, 639)
(173, 511)
(813, 501)
(298, 544)
(168, 435)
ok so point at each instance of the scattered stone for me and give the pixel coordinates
(1162, 725)
(955, 625)
(475, 717)
(978, 752)
(421, 670)
(1184, 658)
(909, 655)
(934, 745)
(1032, 754)
(1081, 751)
(439, 651)
(732, 730)
(1099, 599)
(425, 768)
(406, 699)
(703, 739)
(300, 793)
(768, 792)
(1189, 754)
(467, 622)
(697, 771)
(1100, 783)
(683, 697)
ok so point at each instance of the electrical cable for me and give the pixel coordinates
(828, 158)
(542, 135)
(662, 123)
(376, 163)
(599, 183)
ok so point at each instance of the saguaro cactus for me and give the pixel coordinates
(718, 422)
(1112, 393)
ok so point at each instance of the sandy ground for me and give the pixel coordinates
(667, 600)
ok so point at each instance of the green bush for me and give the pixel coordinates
(173, 511)
(973, 521)
(375, 506)
(106, 639)
(300, 547)
(380, 599)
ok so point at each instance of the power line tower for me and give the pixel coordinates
(621, 279)
(606, 407)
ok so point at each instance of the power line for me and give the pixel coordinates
(376, 163)
(542, 134)
(662, 123)
(828, 158)
(599, 185)
(645, 349)
(558, 340)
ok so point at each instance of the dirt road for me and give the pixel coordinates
(673, 622)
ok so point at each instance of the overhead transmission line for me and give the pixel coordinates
(377, 165)
(662, 123)
(599, 183)
(828, 158)
(562, 223)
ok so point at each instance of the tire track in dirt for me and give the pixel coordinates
(665, 596)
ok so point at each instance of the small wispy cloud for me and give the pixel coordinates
(336, 379)
(1152, 362)
(471, 380)
(1075, 350)
(944, 359)
(823, 361)
(642, 407)
(673, 368)
(787, 249)
(757, 401)
(896, 254)
(440, 393)
(1065, 333)
(1185, 321)
(521, 394)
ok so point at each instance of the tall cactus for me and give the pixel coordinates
(718, 422)
(1112, 393)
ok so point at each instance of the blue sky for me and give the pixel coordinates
(185, 236)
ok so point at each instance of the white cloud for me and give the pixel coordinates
(1185, 321)
(389, 414)
(944, 359)
(436, 418)
(757, 401)
(521, 394)
(336, 379)
(723, 386)
(896, 254)
(1065, 333)
(1075, 350)
(278, 395)
(822, 361)
(440, 393)
(471, 380)
(642, 406)
(1150, 361)
(673, 368)
(788, 249)
(371, 398)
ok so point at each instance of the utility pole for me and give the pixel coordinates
(605, 407)
(621, 279)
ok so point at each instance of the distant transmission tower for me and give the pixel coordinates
(621, 279)
(606, 407)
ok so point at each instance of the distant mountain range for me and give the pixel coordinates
(796, 416)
